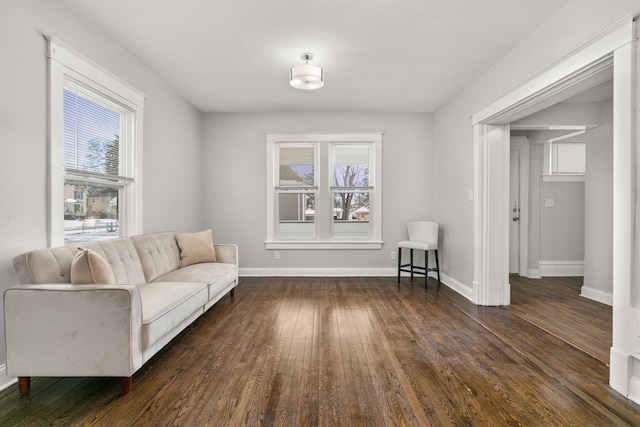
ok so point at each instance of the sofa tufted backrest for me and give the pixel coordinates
(159, 253)
(54, 265)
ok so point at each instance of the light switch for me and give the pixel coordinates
(548, 203)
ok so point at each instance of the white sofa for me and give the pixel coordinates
(57, 329)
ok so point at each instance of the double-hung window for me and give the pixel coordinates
(324, 191)
(95, 147)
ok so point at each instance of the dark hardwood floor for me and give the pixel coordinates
(343, 352)
(555, 305)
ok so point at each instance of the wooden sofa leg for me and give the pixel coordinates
(233, 291)
(126, 384)
(24, 384)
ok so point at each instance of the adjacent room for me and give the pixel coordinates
(220, 206)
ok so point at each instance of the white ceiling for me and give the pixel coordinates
(378, 55)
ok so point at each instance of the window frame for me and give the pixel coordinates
(66, 64)
(549, 158)
(324, 183)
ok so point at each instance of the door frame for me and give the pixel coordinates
(521, 144)
(582, 68)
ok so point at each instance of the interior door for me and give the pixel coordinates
(514, 212)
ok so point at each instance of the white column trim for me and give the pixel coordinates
(491, 219)
(625, 315)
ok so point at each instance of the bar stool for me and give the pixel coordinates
(423, 236)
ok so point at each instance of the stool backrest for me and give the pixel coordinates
(423, 231)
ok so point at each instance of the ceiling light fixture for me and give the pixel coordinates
(306, 77)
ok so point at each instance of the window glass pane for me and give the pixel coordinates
(90, 212)
(351, 166)
(296, 215)
(296, 166)
(351, 206)
(351, 215)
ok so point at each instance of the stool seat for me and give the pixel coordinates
(423, 236)
(421, 246)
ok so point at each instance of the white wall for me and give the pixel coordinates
(562, 226)
(598, 260)
(235, 173)
(172, 184)
(571, 26)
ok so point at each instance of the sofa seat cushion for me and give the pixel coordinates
(165, 305)
(214, 275)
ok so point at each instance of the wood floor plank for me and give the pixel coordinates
(347, 351)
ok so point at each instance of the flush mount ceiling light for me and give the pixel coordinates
(306, 77)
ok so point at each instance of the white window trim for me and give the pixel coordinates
(563, 178)
(64, 61)
(375, 210)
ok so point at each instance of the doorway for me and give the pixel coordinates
(514, 207)
(518, 215)
(586, 67)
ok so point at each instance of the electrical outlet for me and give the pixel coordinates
(393, 255)
(276, 255)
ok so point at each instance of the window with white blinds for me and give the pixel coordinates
(324, 191)
(94, 127)
(95, 151)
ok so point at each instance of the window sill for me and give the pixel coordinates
(326, 244)
(563, 178)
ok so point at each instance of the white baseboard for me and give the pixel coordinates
(634, 389)
(459, 287)
(5, 380)
(620, 373)
(533, 273)
(317, 272)
(561, 268)
(597, 295)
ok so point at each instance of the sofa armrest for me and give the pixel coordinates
(73, 330)
(226, 253)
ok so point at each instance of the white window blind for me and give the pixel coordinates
(97, 135)
(296, 165)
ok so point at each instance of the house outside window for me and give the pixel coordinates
(324, 191)
(96, 146)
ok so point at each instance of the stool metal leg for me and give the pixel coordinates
(426, 268)
(399, 262)
(437, 266)
(411, 261)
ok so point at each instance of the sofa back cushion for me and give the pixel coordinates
(159, 253)
(54, 265)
